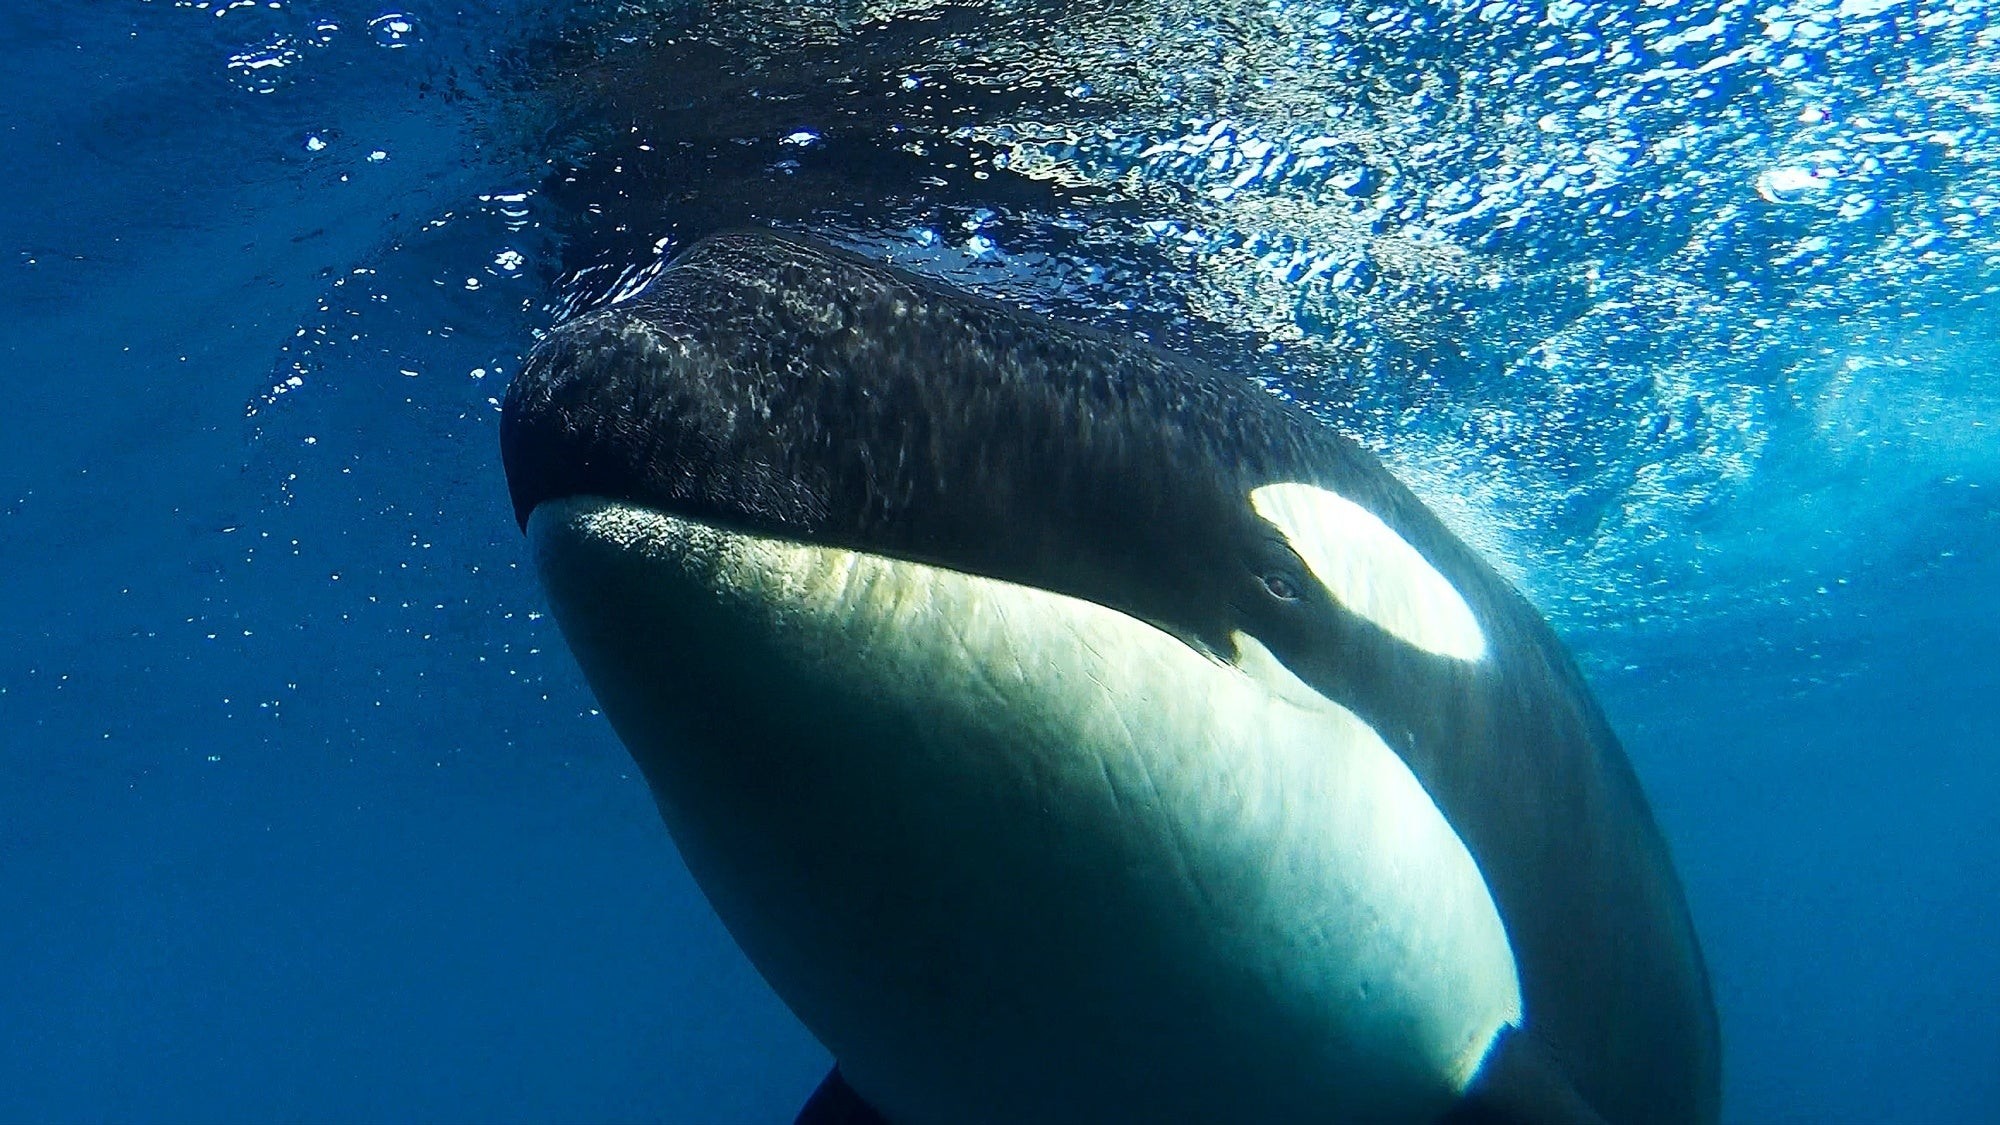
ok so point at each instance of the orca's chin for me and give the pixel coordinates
(969, 828)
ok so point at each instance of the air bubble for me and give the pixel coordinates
(511, 207)
(395, 30)
(1793, 184)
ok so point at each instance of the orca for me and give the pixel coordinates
(1071, 732)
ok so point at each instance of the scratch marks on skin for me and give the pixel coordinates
(1010, 648)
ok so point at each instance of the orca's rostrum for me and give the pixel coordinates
(1070, 732)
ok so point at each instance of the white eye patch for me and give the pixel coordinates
(1371, 570)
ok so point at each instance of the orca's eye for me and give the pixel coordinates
(1282, 586)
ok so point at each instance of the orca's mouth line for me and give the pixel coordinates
(603, 503)
(717, 521)
(749, 529)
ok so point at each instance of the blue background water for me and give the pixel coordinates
(1685, 313)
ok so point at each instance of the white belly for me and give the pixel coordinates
(1016, 857)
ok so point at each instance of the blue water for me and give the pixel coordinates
(1686, 313)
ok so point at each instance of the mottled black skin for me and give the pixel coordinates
(790, 389)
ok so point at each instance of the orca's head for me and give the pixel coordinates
(776, 388)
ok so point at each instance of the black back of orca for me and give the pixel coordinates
(807, 393)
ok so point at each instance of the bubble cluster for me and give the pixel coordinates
(264, 69)
(268, 65)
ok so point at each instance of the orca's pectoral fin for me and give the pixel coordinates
(836, 1103)
(1520, 1083)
